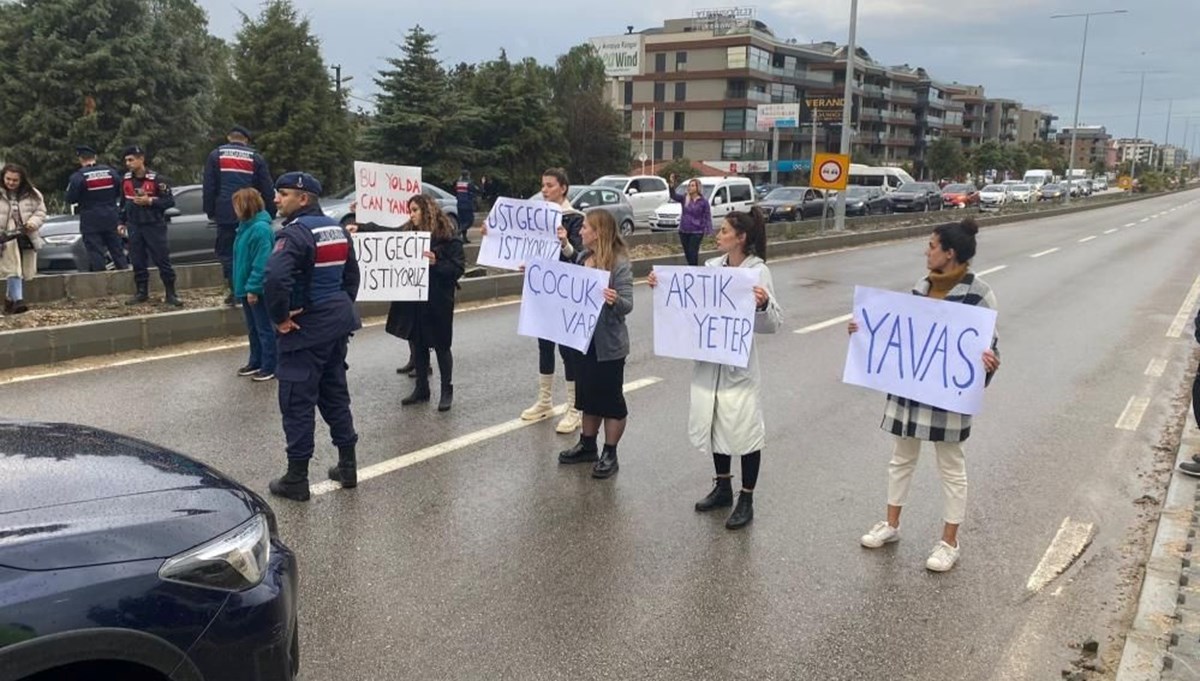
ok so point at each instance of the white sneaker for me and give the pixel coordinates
(943, 558)
(879, 535)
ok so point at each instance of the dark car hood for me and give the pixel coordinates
(72, 495)
(775, 203)
(907, 195)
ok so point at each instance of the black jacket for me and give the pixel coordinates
(430, 322)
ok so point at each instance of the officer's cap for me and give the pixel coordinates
(299, 181)
(134, 150)
(84, 151)
(239, 130)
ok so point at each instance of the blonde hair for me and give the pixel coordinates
(247, 203)
(609, 246)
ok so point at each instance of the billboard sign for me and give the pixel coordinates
(778, 116)
(621, 54)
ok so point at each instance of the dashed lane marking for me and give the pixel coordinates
(1128, 224)
(1157, 368)
(1185, 311)
(1086, 239)
(1115, 229)
(1068, 544)
(825, 324)
(992, 270)
(1046, 252)
(412, 458)
(1131, 417)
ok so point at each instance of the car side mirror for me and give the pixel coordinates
(584, 204)
(718, 201)
(631, 191)
(172, 213)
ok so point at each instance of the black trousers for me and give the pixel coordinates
(224, 248)
(95, 243)
(309, 379)
(1196, 398)
(546, 359)
(691, 247)
(148, 243)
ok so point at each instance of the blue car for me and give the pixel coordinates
(123, 560)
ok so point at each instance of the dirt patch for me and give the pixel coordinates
(61, 312)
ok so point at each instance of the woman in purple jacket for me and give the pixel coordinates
(694, 222)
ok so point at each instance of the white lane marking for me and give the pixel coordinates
(1185, 311)
(1086, 239)
(825, 324)
(1068, 544)
(992, 270)
(1157, 368)
(1046, 252)
(1128, 224)
(1131, 418)
(434, 451)
(123, 362)
(1115, 229)
(1144, 220)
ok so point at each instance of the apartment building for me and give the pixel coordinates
(1035, 126)
(1144, 150)
(1092, 143)
(1173, 156)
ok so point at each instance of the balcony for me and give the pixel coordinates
(873, 91)
(902, 95)
(900, 141)
(752, 95)
(822, 77)
(935, 120)
(901, 116)
(870, 115)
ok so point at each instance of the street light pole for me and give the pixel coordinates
(1087, 18)
(1137, 127)
(1167, 137)
(839, 222)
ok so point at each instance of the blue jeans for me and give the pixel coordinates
(263, 351)
(15, 289)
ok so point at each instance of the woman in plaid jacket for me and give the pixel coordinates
(948, 257)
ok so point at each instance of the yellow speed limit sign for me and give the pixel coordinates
(830, 171)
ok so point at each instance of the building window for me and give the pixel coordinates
(679, 120)
(676, 150)
(659, 118)
(660, 92)
(628, 92)
(680, 58)
(660, 62)
(731, 150)
(735, 58)
(759, 59)
(680, 92)
(628, 121)
(739, 120)
(658, 150)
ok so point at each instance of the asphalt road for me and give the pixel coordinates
(488, 560)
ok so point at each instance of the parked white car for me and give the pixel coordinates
(993, 197)
(1021, 193)
(645, 193)
(724, 194)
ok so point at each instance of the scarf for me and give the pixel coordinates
(940, 283)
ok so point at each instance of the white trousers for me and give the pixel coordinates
(952, 466)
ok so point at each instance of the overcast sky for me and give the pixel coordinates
(1011, 47)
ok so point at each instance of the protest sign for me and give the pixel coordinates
(924, 349)
(520, 232)
(382, 192)
(561, 302)
(705, 313)
(392, 265)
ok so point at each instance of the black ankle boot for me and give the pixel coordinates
(406, 368)
(19, 307)
(580, 453)
(447, 398)
(171, 298)
(721, 496)
(346, 470)
(743, 513)
(294, 484)
(420, 393)
(140, 296)
(607, 466)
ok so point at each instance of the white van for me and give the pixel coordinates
(724, 194)
(645, 193)
(1038, 177)
(886, 178)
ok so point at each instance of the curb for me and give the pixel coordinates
(51, 344)
(1150, 636)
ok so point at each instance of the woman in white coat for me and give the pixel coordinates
(22, 212)
(726, 416)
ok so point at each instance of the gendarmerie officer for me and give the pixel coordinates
(311, 283)
(145, 198)
(95, 187)
(230, 167)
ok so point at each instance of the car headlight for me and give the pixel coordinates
(234, 561)
(64, 239)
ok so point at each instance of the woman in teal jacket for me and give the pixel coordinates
(251, 247)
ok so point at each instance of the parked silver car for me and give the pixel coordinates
(590, 197)
(338, 207)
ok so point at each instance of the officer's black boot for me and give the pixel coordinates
(346, 470)
(141, 295)
(171, 298)
(420, 391)
(230, 301)
(294, 484)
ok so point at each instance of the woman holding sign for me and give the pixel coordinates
(726, 412)
(430, 324)
(600, 372)
(695, 220)
(948, 257)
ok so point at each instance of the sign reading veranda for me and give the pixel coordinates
(705, 313)
(392, 265)
(382, 192)
(520, 231)
(561, 302)
(926, 350)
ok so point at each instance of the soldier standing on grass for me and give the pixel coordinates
(145, 198)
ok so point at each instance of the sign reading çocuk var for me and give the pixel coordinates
(561, 302)
(926, 350)
(520, 231)
(705, 313)
(621, 54)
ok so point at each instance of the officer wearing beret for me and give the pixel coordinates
(231, 167)
(95, 188)
(310, 285)
(145, 198)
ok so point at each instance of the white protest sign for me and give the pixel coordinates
(519, 232)
(382, 192)
(561, 302)
(705, 313)
(392, 265)
(924, 349)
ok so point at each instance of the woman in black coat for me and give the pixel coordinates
(430, 324)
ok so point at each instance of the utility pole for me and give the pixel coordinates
(839, 222)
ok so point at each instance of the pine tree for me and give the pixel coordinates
(282, 91)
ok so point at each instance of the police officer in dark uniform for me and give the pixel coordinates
(95, 187)
(465, 191)
(310, 286)
(231, 167)
(145, 198)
